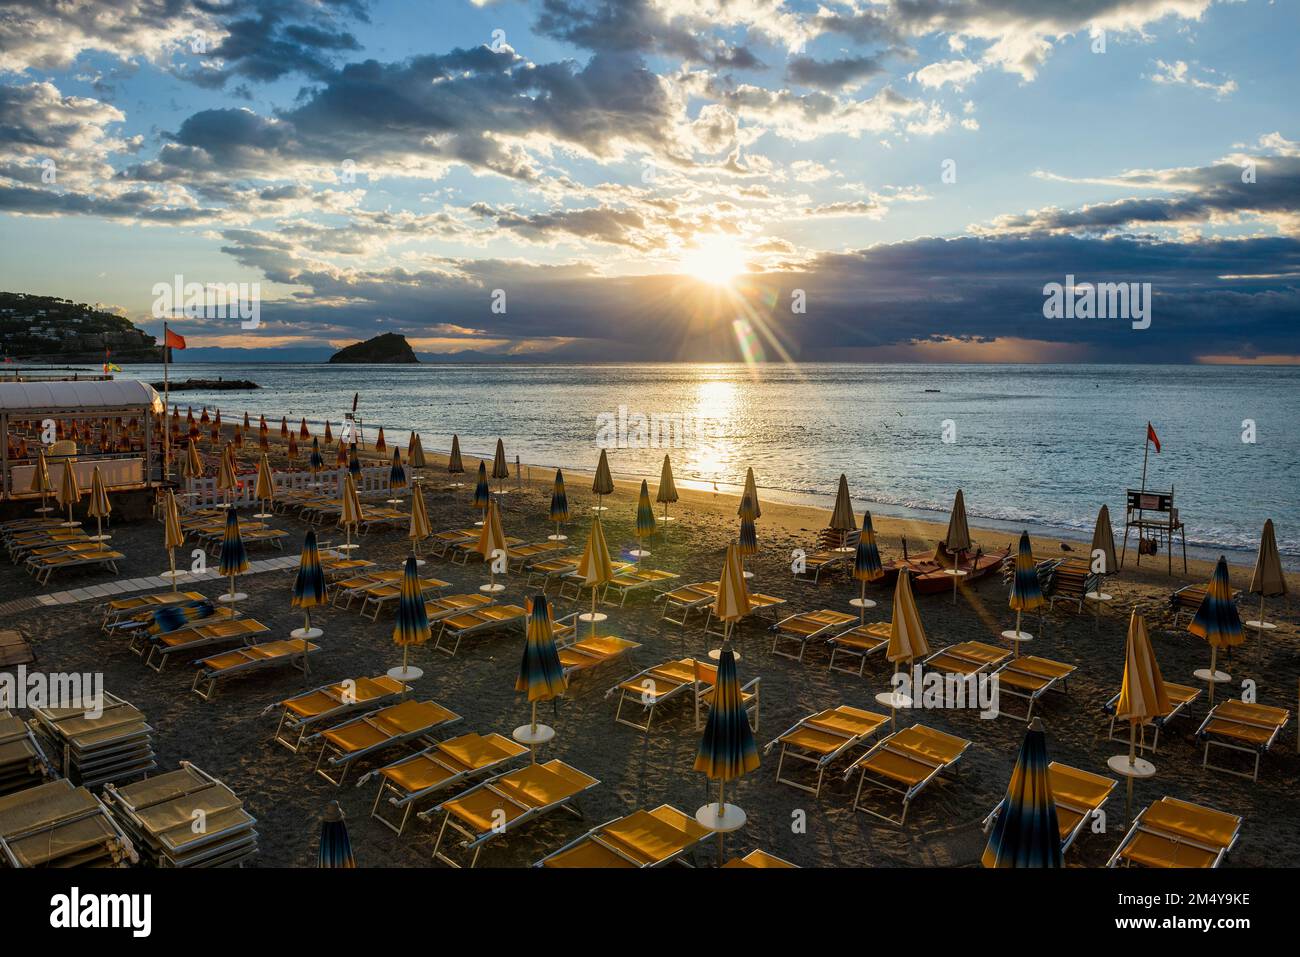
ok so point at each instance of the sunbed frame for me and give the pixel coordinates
(822, 739)
(1181, 697)
(895, 747)
(1240, 726)
(1029, 678)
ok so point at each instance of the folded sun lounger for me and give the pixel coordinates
(905, 763)
(640, 839)
(1241, 726)
(438, 768)
(1174, 833)
(823, 738)
(503, 803)
(1079, 797)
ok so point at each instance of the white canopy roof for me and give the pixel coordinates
(66, 397)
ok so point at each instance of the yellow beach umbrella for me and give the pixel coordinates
(415, 452)
(667, 493)
(265, 490)
(420, 528)
(226, 480)
(1142, 696)
(603, 483)
(1267, 580)
(100, 507)
(69, 490)
(173, 537)
(907, 640)
(41, 480)
(595, 568)
(732, 603)
(350, 511)
(492, 545)
(192, 463)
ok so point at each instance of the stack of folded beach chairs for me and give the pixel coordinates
(60, 825)
(22, 762)
(93, 751)
(184, 818)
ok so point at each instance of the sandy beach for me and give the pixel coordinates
(229, 738)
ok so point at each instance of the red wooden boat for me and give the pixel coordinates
(928, 575)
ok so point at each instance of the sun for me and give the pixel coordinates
(714, 259)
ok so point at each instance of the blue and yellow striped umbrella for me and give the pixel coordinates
(234, 558)
(645, 513)
(559, 500)
(309, 585)
(335, 845)
(397, 474)
(540, 671)
(1026, 592)
(170, 617)
(1217, 620)
(482, 491)
(354, 463)
(866, 557)
(316, 461)
(1027, 833)
(727, 749)
(412, 625)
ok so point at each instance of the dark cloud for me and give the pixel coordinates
(832, 74)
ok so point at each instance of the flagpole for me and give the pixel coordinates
(1146, 451)
(166, 410)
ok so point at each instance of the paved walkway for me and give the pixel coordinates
(107, 590)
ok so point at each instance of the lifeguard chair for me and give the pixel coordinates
(1154, 512)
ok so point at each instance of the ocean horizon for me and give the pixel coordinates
(1040, 447)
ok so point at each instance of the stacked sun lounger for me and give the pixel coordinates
(184, 818)
(22, 762)
(114, 747)
(60, 825)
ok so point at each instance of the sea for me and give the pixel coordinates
(1039, 447)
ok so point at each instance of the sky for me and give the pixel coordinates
(700, 180)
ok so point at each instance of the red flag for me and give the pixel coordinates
(1152, 437)
(174, 340)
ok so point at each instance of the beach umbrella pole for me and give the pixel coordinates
(862, 607)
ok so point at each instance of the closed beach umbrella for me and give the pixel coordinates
(380, 444)
(500, 469)
(354, 461)
(329, 434)
(99, 507)
(265, 490)
(41, 479)
(867, 566)
(263, 439)
(308, 586)
(1026, 592)
(204, 419)
(958, 537)
(350, 511)
(341, 457)
(491, 540)
(603, 483)
(559, 506)
(335, 845)
(192, 464)
(747, 541)
(482, 491)
(749, 507)
(69, 490)
(226, 480)
(303, 431)
(1267, 580)
(315, 461)
(1027, 833)
(645, 519)
(248, 422)
(540, 671)
(396, 474)
(234, 557)
(284, 427)
(732, 603)
(907, 640)
(842, 519)
(420, 528)
(412, 625)
(292, 451)
(1103, 540)
(727, 749)
(173, 538)
(1217, 620)
(415, 451)
(454, 464)
(595, 567)
(667, 493)
(1142, 696)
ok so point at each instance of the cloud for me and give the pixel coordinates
(1179, 73)
(845, 72)
(958, 73)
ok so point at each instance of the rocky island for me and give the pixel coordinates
(388, 348)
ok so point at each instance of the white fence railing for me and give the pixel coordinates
(374, 479)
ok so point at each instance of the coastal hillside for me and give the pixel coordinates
(47, 328)
(389, 348)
